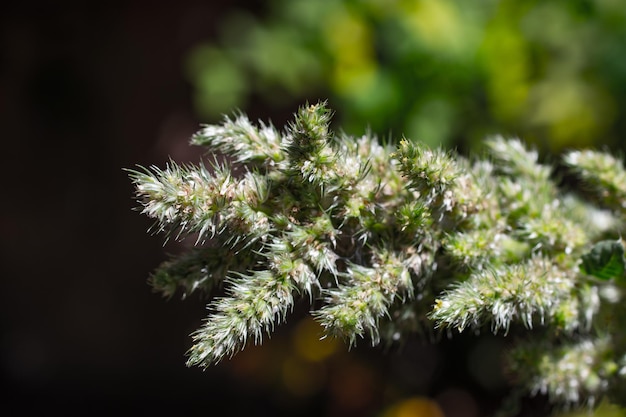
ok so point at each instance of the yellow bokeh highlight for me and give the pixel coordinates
(415, 407)
(574, 112)
(307, 343)
(349, 38)
(347, 34)
(507, 65)
(436, 23)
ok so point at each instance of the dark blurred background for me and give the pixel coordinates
(89, 89)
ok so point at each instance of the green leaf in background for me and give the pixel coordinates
(605, 260)
(446, 72)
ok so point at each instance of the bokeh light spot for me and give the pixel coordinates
(415, 407)
(308, 343)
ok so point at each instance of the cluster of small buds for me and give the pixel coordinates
(355, 308)
(516, 160)
(385, 241)
(200, 270)
(524, 292)
(604, 173)
(241, 139)
(568, 374)
(255, 304)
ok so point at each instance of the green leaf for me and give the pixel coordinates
(605, 260)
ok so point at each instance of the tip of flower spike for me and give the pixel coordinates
(310, 129)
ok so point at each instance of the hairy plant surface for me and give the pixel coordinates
(386, 241)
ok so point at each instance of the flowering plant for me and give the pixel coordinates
(387, 241)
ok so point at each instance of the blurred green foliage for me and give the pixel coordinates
(605, 409)
(444, 72)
